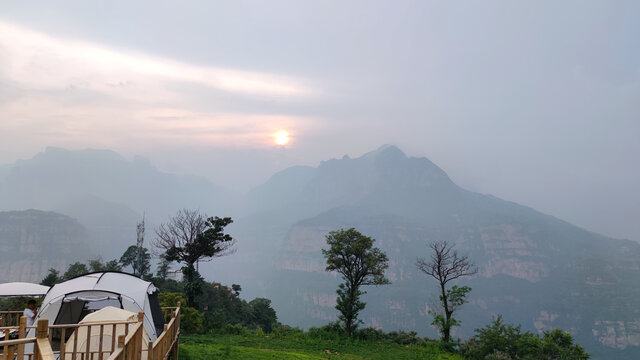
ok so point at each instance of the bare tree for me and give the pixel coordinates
(446, 265)
(190, 237)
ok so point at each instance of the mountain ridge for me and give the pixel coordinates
(405, 203)
(535, 269)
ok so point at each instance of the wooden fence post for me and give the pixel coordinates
(175, 351)
(22, 332)
(150, 351)
(42, 330)
(5, 351)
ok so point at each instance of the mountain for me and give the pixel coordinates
(534, 269)
(106, 192)
(4, 170)
(34, 241)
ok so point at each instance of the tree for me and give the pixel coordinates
(98, 265)
(236, 289)
(190, 237)
(353, 256)
(52, 278)
(263, 314)
(163, 267)
(138, 258)
(75, 269)
(445, 265)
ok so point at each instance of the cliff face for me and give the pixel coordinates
(534, 269)
(32, 242)
(107, 193)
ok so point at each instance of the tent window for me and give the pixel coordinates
(74, 310)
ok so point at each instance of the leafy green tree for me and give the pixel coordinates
(163, 267)
(52, 278)
(497, 338)
(352, 255)
(445, 265)
(190, 237)
(558, 344)
(263, 314)
(75, 269)
(236, 289)
(138, 258)
(98, 265)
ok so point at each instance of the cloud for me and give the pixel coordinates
(43, 61)
(72, 92)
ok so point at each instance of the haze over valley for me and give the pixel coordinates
(94, 198)
(508, 129)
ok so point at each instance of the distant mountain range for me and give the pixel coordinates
(105, 192)
(534, 269)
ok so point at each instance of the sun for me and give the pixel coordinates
(281, 137)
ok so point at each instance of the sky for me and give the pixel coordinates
(534, 102)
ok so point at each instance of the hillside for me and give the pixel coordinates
(105, 192)
(534, 269)
(32, 242)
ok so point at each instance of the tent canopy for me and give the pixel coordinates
(14, 289)
(70, 301)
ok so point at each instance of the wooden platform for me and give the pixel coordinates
(54, 341)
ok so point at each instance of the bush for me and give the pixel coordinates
(236, 329)
(503, 341)
(370, 334)
(286, 330)
(404, 338)
(191, 321)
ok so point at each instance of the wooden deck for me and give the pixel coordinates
(59, 341)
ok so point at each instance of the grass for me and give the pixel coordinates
(253, 346)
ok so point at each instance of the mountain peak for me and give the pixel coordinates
(388, 151)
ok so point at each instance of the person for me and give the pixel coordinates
(30, 312)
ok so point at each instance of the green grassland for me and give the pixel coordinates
(259, 347)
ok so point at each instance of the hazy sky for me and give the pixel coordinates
(535, 102)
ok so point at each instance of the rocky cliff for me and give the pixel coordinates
(534, 269)
(32, 242)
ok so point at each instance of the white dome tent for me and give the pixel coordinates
(69, 302)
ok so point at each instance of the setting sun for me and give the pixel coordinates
(281, 137)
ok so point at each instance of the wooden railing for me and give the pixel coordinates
(10, 318)
(41, 345)
(167, 343)
(51, 341)
(89, 350)
(129, 346)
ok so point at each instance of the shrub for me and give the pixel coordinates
(370, 334)
(236, 329)
(503, 341)
(191, 321)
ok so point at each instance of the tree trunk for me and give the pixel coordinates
(190, 277)
(446, 329)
